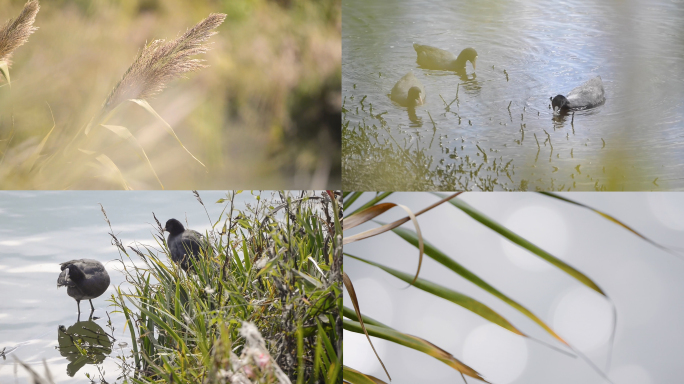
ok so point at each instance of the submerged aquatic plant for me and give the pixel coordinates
(15, 33)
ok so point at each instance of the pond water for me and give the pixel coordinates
(39, 230)
(527, 52)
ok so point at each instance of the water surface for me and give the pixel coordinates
(527, 52)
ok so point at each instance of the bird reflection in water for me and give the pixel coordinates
(83, 343)
(416, 122)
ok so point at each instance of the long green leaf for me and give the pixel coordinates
(349, 199)
(348, 312)
(515, 238)
(457, 298)
(125, 310)
(413, 342)
(353, 376)
(162, 323)
(610, 218)
(450, 263)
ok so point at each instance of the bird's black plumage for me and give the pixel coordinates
(183, 243)
(588, 95)
(85, 279)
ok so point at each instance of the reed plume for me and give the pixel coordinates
(161, 61)
(16, 32)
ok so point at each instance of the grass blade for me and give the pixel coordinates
(366, 215)
(349, 199)
(125, 310)
(515, 238)
(448, 262)
(4, 68)
(352, 294)
(350, 375)
(109, 164)
(416, 343)
(347, 312)
(457, 298)
(394, 224)
(125, 134)
(613, 219)
(374, 232)
(148, 108)
(32, 160)
(376, 199)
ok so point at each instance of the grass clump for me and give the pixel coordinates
(262, 304)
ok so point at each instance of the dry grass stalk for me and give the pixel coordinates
(16, 32)
(162, 61)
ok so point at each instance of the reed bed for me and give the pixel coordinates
(271, 271)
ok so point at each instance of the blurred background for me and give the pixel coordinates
(265, 113)
(644, 282)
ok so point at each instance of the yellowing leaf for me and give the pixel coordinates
(4, 68)
(413, 342)
(32, 160)
(125, 134)
(109, 164)
(148, 108)
(351, 375)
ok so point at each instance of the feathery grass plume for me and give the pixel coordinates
(16, 32)
(161, 61)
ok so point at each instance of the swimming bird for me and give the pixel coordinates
(587, 95)
(408, 91)
(85, 279)
(435, 58)
(183, 243)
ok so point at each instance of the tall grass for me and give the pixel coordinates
(262, 304)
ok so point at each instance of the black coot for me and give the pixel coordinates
(85, 279)
(587, 95)
(408, 91)
(183, 243)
